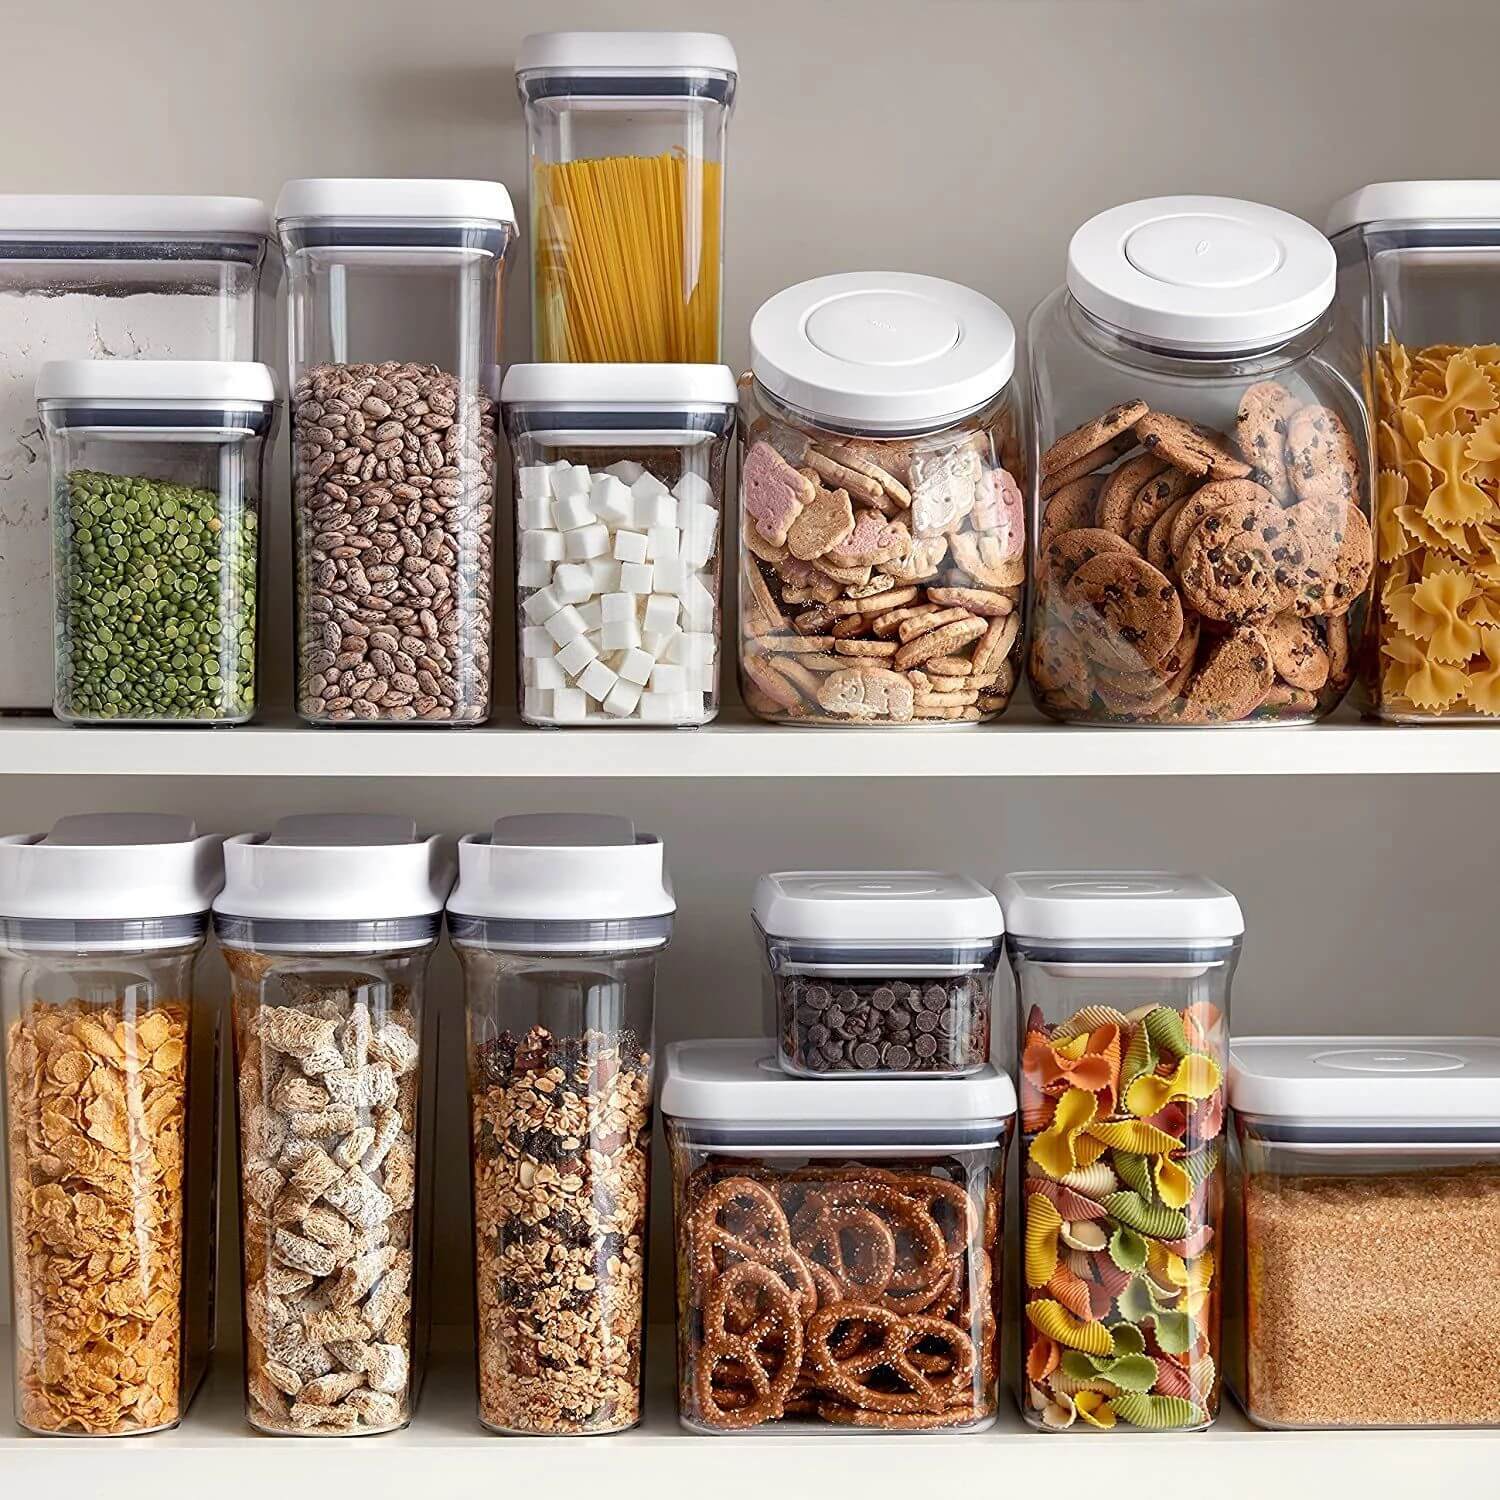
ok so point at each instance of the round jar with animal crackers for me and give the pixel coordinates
(882, 526)
(1201, 549)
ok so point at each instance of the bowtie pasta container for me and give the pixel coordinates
(559, 921)
(1202, 549)
(1418, 268)
(327, 924)
(1368, 1193)
(838, 1245)
(619, 495)
(110, 1110)
(626, 134)
(882, 531)
(1122, 986)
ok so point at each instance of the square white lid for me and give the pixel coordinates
(649, 54)
(625, 386)
(1117, 906)
(886, 906)
(1416, 202)
(150, 216)
(740, 1083)
(1366, 1079)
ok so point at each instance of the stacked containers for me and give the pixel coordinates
(1123, 993)
(111, 1071)
(1369, 1183)
(89, 277)
(619, 485)
(394, 314)
(881, 508)
(157, 470)
(626, 137)
(327, 924)
(1202, 550)
(559, 921)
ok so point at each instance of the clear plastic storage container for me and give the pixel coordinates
(157, 471)
(558, 920)
(619, 488)
(110, 276)
(1418, 263)
(1368, 1186)
(327, 924)
(626, 135)
(880, 971)
(881, 510)
(394, 303)
(1202, 550)
(1122, 987)
(111, 1069)
(839, 1244)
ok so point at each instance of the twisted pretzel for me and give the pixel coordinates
(749, 1392)
(820, 1230)
(891, 1342)
(757, 1232)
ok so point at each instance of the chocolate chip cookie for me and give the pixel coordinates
(1126, 614)
(1232, 566)
(1190, 446)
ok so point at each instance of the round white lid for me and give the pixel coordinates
(739, 1083)
(1117, 906)
(645, 52)
(169, 215)
(110, 867)
(619, 385)
(1377, 202)
(1366, 1079)
(562, 867)
(335, 867)
(170, 380)
(383, 198)
(1202, 274)
(886, 906)
(883, 350)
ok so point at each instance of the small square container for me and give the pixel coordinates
(887, 972)
(1368, 1172)
(838, 1245)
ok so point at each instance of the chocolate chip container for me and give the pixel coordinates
(327, 924)
(882, 531)
(1122, 986)
(559, 920)
(1201, 552)
(1367, 1177)
(111, 1120)
(880, 971)
(838, 1244)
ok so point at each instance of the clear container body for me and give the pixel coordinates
(111, 1120)
(627, 216)
(1122, 1065)
(560, 1063)
(332, 1056)
(156, 550)
(393, 332)
(913, 617)
(899, 1009)
(828, 1285)
(1184, 576)
(80, 296)
(1361, 1251)
(649, 551)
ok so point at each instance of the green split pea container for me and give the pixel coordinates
(157, 470)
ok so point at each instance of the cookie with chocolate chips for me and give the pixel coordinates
(1126, 614)
(1233, 565)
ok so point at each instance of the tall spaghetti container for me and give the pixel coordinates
(626, 136)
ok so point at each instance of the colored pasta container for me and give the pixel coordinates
(110, 1107)
(1417, 271)
(626, 137)
(879, 972)
(1368, 1186)
(838, 1244)
(1122, 984)
(1202, 552)
(619, 491)
(881, 513)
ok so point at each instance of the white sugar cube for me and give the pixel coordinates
(697, 603)
(542, 605)
(569, 705)
(570, 514)
(535, 641)
(545, 672)
(693, 489)
(621, 635)
(647, 487)
(666, 678)
(537, 703)
(611, 500)
(536, 512)
(543, 546)
(661, 613)
(618, 607)
(663, 542)
(572, 582)
(597, 680)
(627, 471)
(693, 649)
(654, 510)
(588, 541)
(606, 574)
(630, 546)
(708, 679)
(622, 699)
(591, 614)
(635, 578)
(658, 708)
(572, 482)
(566, 625)
(576, 655)
(535, 481)
(635, 666)
(670, 576)
(690, 706)
(533, 575)
(700, 534)
(658, 643)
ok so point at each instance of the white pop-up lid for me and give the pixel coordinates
(166, 382)
(1435, 202)
(903, 907)
(642, 54)
(1117, 906)
(130, 215)
(110, 867)
(1367, 1080)
(738, 1083)
(1202, 274)
(619, 387)
(393, 200)
(882, 351)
